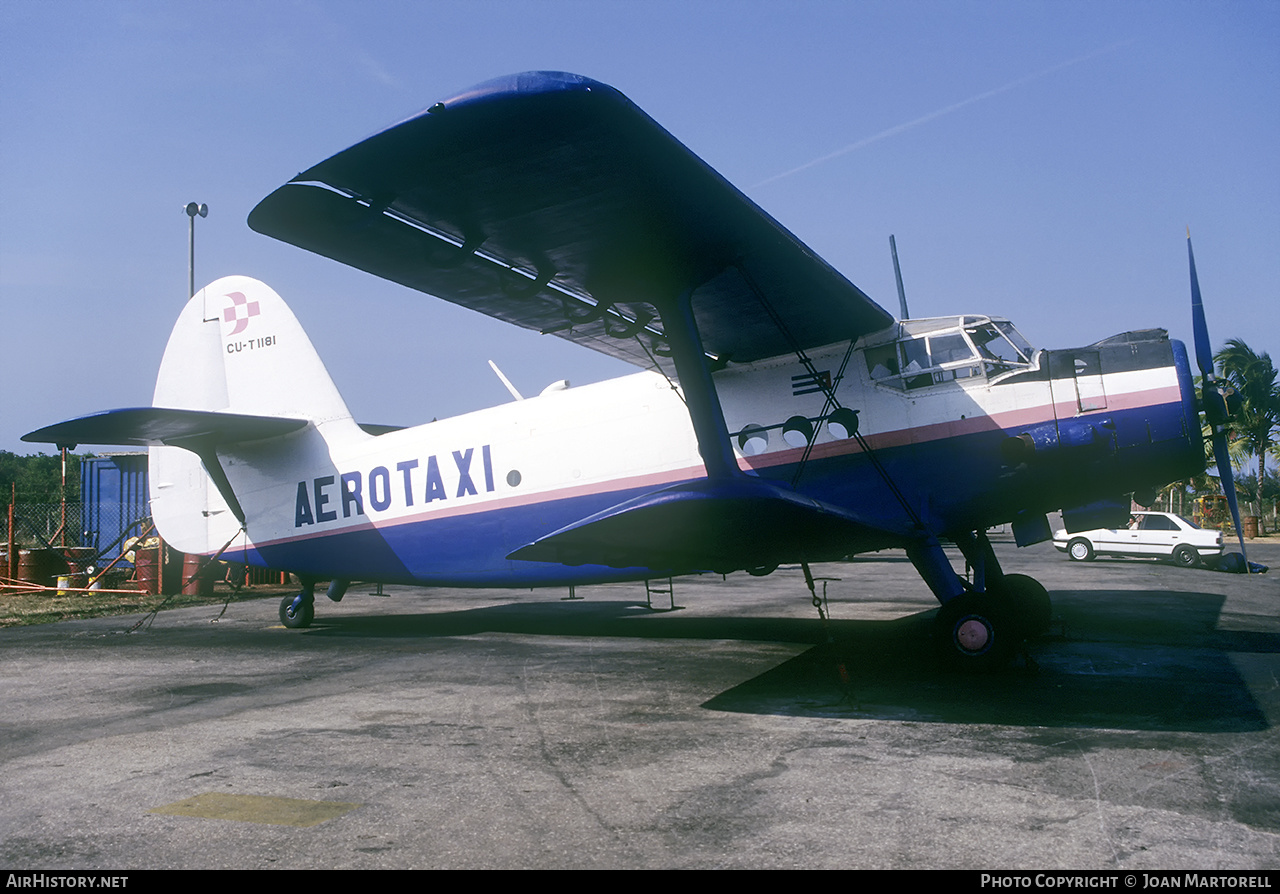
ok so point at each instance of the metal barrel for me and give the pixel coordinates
(146, 565)
(197, 576)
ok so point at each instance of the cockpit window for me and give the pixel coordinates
(1023, 346)
(999, 353)
(950, 348)
(915, 355)
(933, 351)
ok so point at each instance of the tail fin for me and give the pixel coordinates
(236, 349)
(241, 396)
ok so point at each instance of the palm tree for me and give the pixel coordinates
(1257, 426)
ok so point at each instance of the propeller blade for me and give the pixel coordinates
(1228, 482)
(1214, 398)
(1199, 328)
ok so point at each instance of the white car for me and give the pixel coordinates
(1150, 534)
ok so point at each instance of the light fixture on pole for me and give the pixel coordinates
(192, 209)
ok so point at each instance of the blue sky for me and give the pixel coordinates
(1038, 161)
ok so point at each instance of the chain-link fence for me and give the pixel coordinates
(37, 525)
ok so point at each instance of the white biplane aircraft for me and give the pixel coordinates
(782, 417)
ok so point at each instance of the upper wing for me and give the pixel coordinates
(553, 202)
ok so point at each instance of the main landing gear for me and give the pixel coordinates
(982, 623)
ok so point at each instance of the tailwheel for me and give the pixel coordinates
(977, 631)
(1030, 602)
(298, 611)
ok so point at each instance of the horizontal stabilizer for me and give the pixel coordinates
(200, 431)
(712, 525)
(156, 426)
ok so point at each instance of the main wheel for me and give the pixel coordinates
(1186, 556)
(302, 616)
(1030, 602)
(1080, 550)
(976, 631)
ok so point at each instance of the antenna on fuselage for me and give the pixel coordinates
(505, 381)
(897, 272)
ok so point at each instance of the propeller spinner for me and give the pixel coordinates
(1218, 398)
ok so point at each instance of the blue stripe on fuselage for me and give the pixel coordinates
(956, 484)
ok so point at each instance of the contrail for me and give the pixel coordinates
(924, 119)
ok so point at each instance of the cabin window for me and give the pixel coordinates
(797, 431)
(882, 361)
(753, 440)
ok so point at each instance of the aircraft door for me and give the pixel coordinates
(1076, 378)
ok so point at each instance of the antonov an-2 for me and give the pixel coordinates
(781, 417)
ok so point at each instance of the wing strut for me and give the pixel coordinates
(727, 521)
(694, 373)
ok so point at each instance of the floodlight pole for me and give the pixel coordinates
(192, 209)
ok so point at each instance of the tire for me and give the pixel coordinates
(976, 632)
(1185, 556)
(1030, 602)
(1080, 550)
(296, 619)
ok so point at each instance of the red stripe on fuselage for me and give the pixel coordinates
(880, 441)
(937, 431)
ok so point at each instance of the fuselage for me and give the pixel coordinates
(971, 427)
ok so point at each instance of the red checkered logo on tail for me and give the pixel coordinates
(239, 311)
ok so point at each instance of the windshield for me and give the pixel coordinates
(1000, 346)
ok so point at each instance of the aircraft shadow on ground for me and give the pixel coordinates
(1111, 660)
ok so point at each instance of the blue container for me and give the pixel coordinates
(113, 490)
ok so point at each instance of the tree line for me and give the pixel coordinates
(37, 478)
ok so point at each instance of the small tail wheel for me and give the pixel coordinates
(297, 611)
